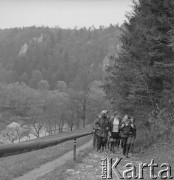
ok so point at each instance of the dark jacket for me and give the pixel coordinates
(134, 130)
(101, 126)
(111, 123)
(128, 130)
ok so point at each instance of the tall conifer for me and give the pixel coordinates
(142, 77)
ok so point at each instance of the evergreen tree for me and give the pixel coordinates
(141, 79)
(35, 78)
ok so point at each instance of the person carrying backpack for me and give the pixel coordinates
(121, 130)
(94, 135)
(133, 136)
(126, 135)
(101, 126)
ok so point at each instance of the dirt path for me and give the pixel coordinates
(50, 166)
(91, 169)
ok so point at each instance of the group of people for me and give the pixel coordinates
(113, 132)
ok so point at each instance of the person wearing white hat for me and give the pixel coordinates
(94, 131)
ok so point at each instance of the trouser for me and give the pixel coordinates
(94, 140)
(101, 141)
(132, 144)
(126, 145)
(119, 140)
(116, 137)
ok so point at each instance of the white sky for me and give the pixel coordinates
(62, 13)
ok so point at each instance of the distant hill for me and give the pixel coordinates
(34, 53)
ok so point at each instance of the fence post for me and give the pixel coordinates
(74, 158)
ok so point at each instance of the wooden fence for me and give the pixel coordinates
(13, 149)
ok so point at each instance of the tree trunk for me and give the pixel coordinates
(84, 122)
(55, 128)
(84, 112)
(38, 135)
(61, 129)
(77, 125)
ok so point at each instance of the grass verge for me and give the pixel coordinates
(17, 165)
(161, 153)
(60, 172)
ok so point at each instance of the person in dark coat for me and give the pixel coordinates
(121, 130)
(114, 128)
(133, 136)
(101, 126)
(126, 135)
(94, 135)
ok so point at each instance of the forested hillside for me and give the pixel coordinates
(52, 77)
(40, 53)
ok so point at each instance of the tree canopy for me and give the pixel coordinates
(140, 81)
(33, 54)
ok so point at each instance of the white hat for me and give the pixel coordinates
(104, 112)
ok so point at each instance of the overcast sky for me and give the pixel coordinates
(62, 13)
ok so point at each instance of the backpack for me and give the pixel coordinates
(126, 130)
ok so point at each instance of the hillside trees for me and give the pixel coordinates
(36, 76)
(43, 111)
(141, 82)
(52, 54)
(56, 109)
(82, 84)
(10, 134)
(61, 86)
(97, 101)
(43, 85)
(54, 64)
(15, 133)
(36, 121)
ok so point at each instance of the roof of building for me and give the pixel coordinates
(13, 125)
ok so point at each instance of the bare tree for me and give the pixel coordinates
(10, 134)
(70, 119)
(56, 106)
(36, 122)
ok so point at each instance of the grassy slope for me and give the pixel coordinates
(14, 166)
(58, 173)
(160, 153)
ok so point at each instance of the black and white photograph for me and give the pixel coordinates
(86, 89)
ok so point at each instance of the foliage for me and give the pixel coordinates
(141, 80)
(33, 53)
(36, 121)
(43, 85)
(50, 77)
(61, 86)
